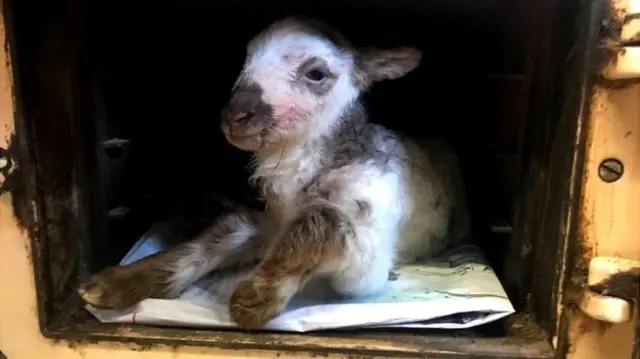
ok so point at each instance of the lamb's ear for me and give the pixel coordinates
(388, 64)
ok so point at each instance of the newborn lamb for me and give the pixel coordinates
(346, 200)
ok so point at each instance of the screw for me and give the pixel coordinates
(610, 170)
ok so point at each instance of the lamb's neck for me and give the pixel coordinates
(297, 162)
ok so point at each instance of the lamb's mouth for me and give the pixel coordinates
(243, 137)
(246, 142)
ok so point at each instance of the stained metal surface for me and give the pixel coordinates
(599, 325)
(605, 325)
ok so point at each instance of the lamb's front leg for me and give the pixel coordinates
(231, 240)
(310, 244)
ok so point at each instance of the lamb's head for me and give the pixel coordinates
(298, 79)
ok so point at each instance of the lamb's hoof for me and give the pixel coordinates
(251, 306)
(116, 288)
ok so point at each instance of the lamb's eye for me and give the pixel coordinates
(315, 75)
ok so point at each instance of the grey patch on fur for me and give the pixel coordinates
(355, 139)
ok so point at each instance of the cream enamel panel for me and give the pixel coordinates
(609, 220)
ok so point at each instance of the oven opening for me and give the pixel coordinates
(161, 89)
(137, 93)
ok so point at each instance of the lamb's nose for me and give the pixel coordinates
(242, 116)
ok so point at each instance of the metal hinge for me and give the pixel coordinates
(613, 293)
(625, 62)
(613, 289)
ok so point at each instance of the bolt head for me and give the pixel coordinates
(610, 170)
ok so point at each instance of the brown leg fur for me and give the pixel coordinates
(232, 240)
(316, 237)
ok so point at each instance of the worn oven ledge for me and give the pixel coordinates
(516, 337)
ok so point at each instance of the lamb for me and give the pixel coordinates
(346, 199)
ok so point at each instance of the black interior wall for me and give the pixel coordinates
(165, 71)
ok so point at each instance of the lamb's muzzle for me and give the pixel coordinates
(246, 117)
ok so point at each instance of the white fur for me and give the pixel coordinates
(206, 253)
(410, 200)
(410, 204)
(270, 66)
(402, 224)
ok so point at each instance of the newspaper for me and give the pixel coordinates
(456, 290)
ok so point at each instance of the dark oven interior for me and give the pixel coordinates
(165, 100)
(119, 106)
